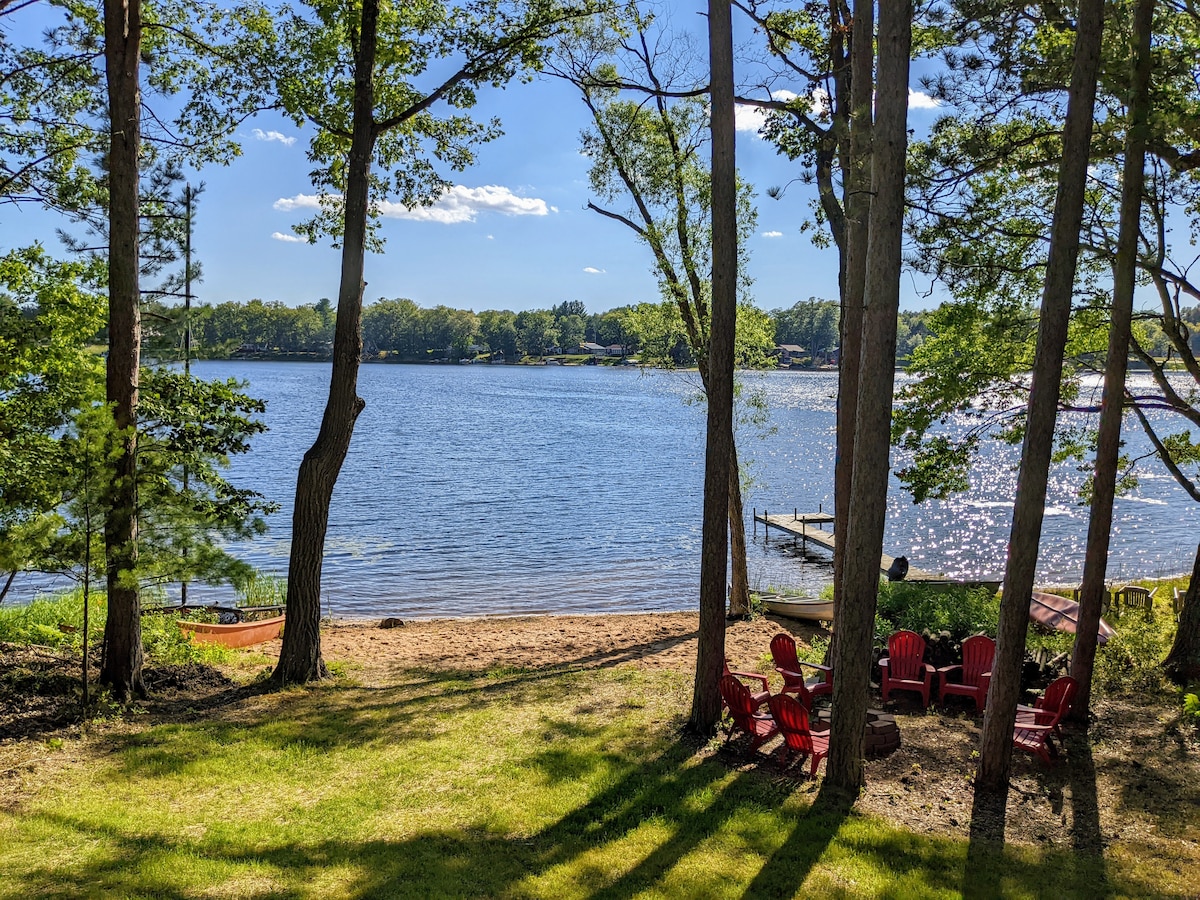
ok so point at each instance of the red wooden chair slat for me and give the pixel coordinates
(1035, 724)
(737, 697)
(904, 668)
(792, 719)
(788, 664)
(759, 697)
(974, 672)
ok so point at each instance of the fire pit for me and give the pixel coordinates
(882, 732)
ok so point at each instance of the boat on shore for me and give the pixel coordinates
(811, 609)
(238, 634)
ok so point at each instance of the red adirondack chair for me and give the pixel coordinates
(974, 674)
(792, 719)
(759, 697)
(904, 668)
(788, 664)
(737, 697)
(1036, 723)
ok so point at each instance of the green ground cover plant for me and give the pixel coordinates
(501, 784)
(57, 622)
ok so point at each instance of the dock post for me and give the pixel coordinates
(754, 519)
(795, 514)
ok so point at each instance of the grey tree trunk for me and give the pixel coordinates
(868, 497)
(300, 657)
(996, 753)
(857, 203)
(739, 578)
(122, 670)
(710, 653)
(1182, 664)
(1112, 408)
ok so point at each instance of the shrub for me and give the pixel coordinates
(1191, 709)
(915, 607)
(1130, 663)
(57, 622)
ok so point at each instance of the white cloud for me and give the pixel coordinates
(491, 237)
(273, 136)
(463, 204)
(772, 234)
(592, 270)
(300, 201)
(921, 100)
(288, 238)
(457, 204)
(748, 118)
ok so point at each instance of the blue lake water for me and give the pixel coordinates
(502, 489)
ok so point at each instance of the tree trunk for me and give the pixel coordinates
(739, 577)
(1029, 506)
(710, 653)
(300, 657)
(1112, 407)
(122, 670)
(857, 203)
(868, 498)
(1182, 664)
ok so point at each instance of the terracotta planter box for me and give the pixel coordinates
(243, 634)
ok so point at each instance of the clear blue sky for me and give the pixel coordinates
(513, 234)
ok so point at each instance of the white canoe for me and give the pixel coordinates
(810, 608)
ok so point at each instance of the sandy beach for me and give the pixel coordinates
(650, 640)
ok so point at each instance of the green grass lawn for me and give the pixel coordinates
(510, 784)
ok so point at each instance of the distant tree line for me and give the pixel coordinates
(402, 329)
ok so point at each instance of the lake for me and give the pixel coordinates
(521, 489)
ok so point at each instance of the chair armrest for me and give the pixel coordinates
(946, 670)
(827, 670)
(756, 676)
(929, 669)
(1020, 727)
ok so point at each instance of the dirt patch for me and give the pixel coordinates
(1133, 779)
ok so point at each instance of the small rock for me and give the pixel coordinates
(392, 622)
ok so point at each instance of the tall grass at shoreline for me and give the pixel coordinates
(57, 622)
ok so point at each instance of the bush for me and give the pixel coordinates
(915, 607)
(55, 621)
(58, 622)
(1130, 663)
(1191, 709)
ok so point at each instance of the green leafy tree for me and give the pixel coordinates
(646, 156)
(369, 78)
(536, 332)
(48, 313)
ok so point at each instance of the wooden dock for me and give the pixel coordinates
(807, 527)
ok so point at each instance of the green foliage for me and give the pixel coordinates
(1191, 709)
(38, 622)
(1129, 664)
(57, 622)
(165, 643)
(262, 590)
(959, 610)
(302, 59)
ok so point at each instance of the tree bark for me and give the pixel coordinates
(710, 653)
(1182, 664)
(1112, 406)
(739, 577)
(857, 203)
(300, 657)
(1029, 506)
(123, 656)
(868, 498)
